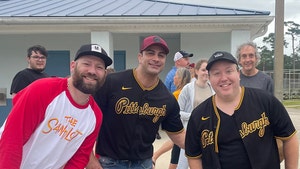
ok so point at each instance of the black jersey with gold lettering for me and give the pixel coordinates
(132, 116)
(257, 120)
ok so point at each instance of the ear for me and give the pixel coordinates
(72, 66)
(27, 59)
(139, 56)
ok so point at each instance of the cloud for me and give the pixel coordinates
(291, 10)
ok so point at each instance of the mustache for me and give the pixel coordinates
(91, 75)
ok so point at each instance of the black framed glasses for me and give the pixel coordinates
(39, 57)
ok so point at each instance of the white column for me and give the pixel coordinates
(105, 40)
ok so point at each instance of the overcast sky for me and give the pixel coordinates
(291, 8)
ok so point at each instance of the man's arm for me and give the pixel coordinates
(195, 163)
(13, 95)
(291, 152)
(24, 117)
(168, 82)
(167, 146)
(93, 162)
(178, 138)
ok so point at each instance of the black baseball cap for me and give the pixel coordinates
(182, 54)
(220, 55)
(95, 50)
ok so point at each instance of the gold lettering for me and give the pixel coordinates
(72, 135)
(124, 106)
(55, 120)
(60, 129)
(207, 138)
(63, 130)
(71, 120)
(259, 125)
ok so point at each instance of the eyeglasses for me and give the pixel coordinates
(39, 57)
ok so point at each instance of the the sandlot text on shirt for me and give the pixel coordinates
(64, 129)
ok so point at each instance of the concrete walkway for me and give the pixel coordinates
(164, 160)
(295, 116)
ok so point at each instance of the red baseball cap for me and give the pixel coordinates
(154, 40)
(192, 65)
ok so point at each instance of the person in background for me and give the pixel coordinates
(190, 97)
(36, 59)
(237, 127)
(248, 58)
(54, 122)
(110, 70)
(181, 78)
(192, 71)
(135, 102)
(181, 59)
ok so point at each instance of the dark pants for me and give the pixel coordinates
(109, 163)
(175, 154)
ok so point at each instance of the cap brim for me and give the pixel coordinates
(209, 65)
(166, 49)
(107, 60)
(189, 55)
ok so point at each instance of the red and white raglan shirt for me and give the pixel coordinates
(47, 129)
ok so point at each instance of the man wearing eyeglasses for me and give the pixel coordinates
(36, 58)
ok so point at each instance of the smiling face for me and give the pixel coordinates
(202, 73)
(152, 60)
(248, 60)
(88, 74)
(37, 61)
(176, 79)
(225, 79)
(183, 62)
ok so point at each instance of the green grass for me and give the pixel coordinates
(295, 103)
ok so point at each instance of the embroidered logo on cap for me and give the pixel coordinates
(218, 55)
(96, 48)
(156, 39)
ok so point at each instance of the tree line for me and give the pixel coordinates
(291, 61)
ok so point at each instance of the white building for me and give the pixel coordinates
(62, 26)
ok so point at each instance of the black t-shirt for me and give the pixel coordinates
(24, 78)
(232, 152)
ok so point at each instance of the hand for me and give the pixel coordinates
(153, 164)
(93, 163)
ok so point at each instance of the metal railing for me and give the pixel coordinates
(291, 83)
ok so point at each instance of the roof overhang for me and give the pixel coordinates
(257, 25)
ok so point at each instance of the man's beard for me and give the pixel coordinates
(78, 82)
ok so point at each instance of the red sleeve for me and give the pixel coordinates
(26, 114)
(82, 155)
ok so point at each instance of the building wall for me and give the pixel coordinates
(201, 44)
(14, 51)
(13, 48)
